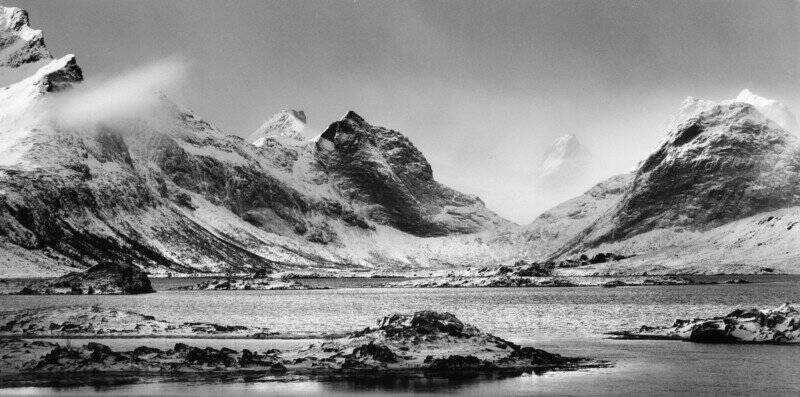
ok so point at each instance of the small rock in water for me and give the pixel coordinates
(779, 325)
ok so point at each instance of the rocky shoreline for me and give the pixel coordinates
(99, 322)
(102, 279)
(769, 326)
(509, 281)
(423, 342)
(247, 284)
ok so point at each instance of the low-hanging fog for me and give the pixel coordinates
(481, 89)
(129, 93)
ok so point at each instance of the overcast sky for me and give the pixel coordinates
(480, 87)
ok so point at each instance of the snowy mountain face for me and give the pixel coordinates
(725, 170)
(771, 109)
(383, 171)
(289, 124)
(565, 154)
(168, 191)
(21, 45)
(566, 170)
(724, 164)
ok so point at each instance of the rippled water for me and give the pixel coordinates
(568, 321)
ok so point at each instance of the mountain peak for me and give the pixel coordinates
(564, 148)
(288, 123)
(566, 169)
(60, 74)
(772, 109)
(725, 163)
(298, 114)
(353, 116)
(567, 141)
(748, 96)
(19, 44)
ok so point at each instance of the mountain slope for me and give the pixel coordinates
(167, 191)
(727, 163)
(699, 202)
(382, 170)
(557, 226)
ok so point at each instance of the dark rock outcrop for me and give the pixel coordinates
(103, 279)
(779, 325)
(427, 341)
(381, 168)
(233, 284)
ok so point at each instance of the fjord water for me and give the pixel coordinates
(568, 321)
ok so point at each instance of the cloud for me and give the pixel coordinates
(128, 94)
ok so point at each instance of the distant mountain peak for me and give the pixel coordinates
(288, 123)
(565, 170)
(298, 114)
(566, 148)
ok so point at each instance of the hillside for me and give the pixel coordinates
(168, 191)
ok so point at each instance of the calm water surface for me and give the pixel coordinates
(567, 321)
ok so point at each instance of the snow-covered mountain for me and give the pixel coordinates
(567, 169)
(168, 191)
(701, 201)
(565, 157)
(772, 109)
(289, 124)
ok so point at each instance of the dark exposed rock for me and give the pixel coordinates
(278, 368)
(534, 269)
(236, 284)
(457, 363)
(377, 352)
(780, 325)
(184, 200)
(736, 281)
(381, 167)
(711, 332)
(105, 278)
(614, 284)
(145, 350)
